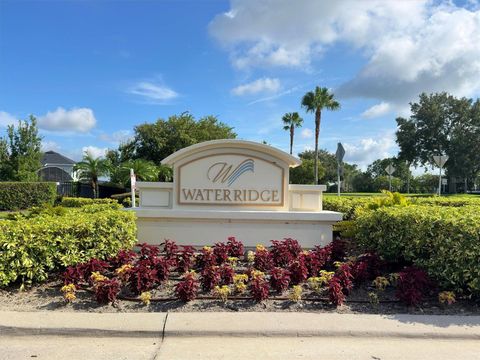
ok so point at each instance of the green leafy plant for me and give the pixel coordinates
(24, 195)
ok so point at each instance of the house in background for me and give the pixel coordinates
(56, 167)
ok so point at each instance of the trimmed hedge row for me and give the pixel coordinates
(75, 202)
(24, 195)
(445, 241)
(348, 205)
(32, 247)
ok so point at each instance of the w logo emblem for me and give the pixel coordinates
(223, 172)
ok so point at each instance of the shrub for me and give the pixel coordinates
(445, 241)
(259, 288)
(185, 258)
(24, 195)
(279, 279)
(75, 202)
(285, 251)
(206, 258)
(298, 271)
(263, 259)
(346, 205)
(235, 247)
(226, 274)
(220, 250)
(143, 277)
(30, 248)
(413, 284)
(187, 289)
(106, 291)
(335, 291)
(210, 278)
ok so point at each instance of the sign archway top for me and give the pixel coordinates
(233, 144)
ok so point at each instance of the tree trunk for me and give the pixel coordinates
(318, 116)
(291, 138)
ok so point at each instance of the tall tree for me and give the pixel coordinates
(290, 122)
(91, 168)
(20, 152)
(443, 124)
(314, 102)
(156, 141)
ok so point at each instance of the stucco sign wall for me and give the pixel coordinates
(230, 179)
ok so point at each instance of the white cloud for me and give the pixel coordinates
(367, 150)
(409, 46)
(258, 86)
(7, 119)
(116, 137)
(48, 145)
(306, 133)
(376, 111)
(80, 120)
(94, 151)
(153, 92)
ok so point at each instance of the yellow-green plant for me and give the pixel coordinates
(68, 291)
(296, 293)
(381, 283)
(146, 297)
(446, 297)
(222, 292)
(240, 283)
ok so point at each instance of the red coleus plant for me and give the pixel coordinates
(226, 274)
(93, 265)
(323, 255)
(367, 267)
(73, 275)
(285, 251)
(107, 290)
(345, 276)
(123, 257)
(185, 259)
(148, 251)
(339, 247)
(170, 248)
(143, 276)
(162, 265)
(220, 250)
(206, 258)
(187, 289)
(413, 283)
(335, 292)
(259, 288)
(279, 279)
(235, 247)
(210, 277)
(313, 263)
(263, 259)
(298, 271)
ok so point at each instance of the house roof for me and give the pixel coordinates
(54, 158)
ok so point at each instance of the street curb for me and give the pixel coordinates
(246, 324)
(77, 332)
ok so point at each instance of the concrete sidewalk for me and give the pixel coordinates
(232, 336)
(245, 324)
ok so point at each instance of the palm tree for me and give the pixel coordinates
(90, 169)
(144, 170)
(292, 121)
(315, 101)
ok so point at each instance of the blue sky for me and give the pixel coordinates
(92, 70)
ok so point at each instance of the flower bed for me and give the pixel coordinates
(226, 272)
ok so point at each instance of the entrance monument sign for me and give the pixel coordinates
(226, 188)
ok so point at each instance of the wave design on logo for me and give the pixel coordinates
(247, 165)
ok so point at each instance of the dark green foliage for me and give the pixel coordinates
(156, 141)
(443, 240)
(24, 195)
(20, 152)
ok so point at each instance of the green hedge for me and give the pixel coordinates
(75, 202)
(346, 205)
(32, 247)
(24, 195)
(445, 241)
(455, 201)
